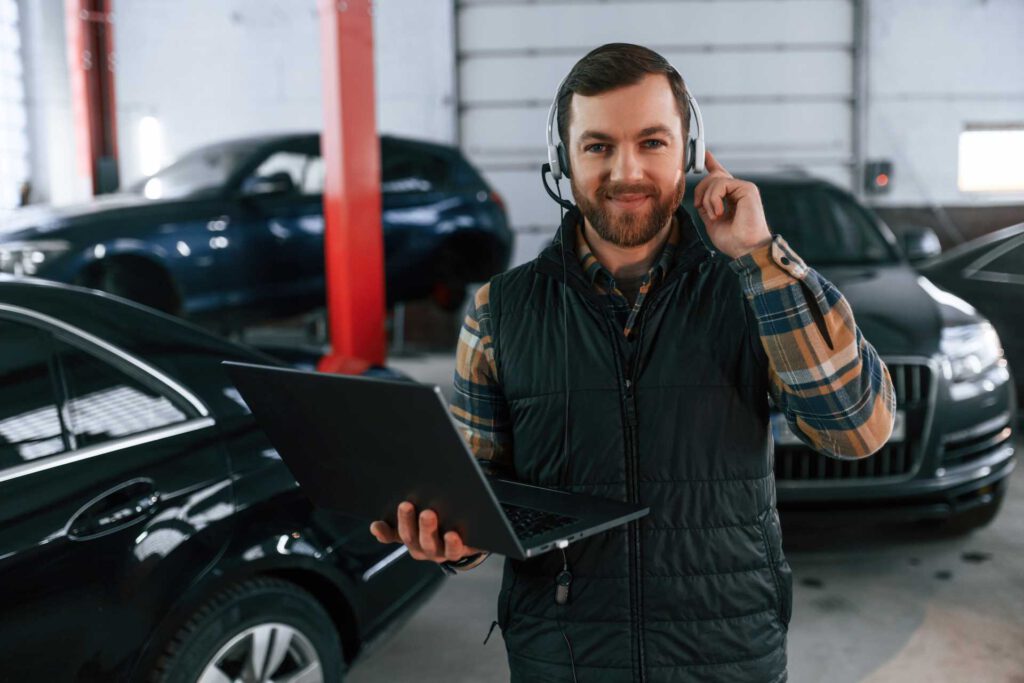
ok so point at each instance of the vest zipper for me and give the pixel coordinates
(633, 485)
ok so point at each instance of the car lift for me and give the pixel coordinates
(353, 232)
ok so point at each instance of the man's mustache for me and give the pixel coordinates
(616, 189)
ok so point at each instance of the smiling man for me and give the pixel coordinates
(673, 353)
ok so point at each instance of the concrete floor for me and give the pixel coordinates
(881, 604)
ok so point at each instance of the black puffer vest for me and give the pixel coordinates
(699, 590)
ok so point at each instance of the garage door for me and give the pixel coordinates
(13, 138)
(774, 79)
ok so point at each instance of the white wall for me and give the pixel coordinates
(51, 134)
(214, 69)
(936, 66)
(210, 69)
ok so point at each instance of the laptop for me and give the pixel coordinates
(361, 445)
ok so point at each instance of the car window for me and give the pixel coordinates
(1010, 261)
(303, 169)
(406, 169)
(199, 172)
(30, 425)
(823, 227)
(104, 403)
(856, 236)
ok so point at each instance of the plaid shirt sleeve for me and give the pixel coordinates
(828, 381)
(478, 404)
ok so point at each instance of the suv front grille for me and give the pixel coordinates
(912, 384)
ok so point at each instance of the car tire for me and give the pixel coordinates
(145, 285)
(221, 636)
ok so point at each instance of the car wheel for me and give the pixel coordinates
(260, 630)
(145, 285)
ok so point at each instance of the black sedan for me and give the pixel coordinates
(233, 232)
(988, 273)
(148, 530)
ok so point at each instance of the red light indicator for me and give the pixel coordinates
(881, 180)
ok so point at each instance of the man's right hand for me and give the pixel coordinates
(420, 535)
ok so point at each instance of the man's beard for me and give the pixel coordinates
(628, 228)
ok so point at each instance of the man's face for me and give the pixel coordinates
(626, 154)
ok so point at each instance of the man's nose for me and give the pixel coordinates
(626, 165)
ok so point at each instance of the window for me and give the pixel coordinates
(105, 403)
(405, 169)
(306, 171)
(824, 227)
(990, 158)
(1005, 262)
(856, 236)
(30, 425)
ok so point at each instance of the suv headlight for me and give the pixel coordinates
(25, 258)
(970, 350)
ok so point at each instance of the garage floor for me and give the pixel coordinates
(871, 604)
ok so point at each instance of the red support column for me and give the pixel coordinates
(90, 37)
(353, 236)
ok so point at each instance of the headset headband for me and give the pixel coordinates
(558, 154)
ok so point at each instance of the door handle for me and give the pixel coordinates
(121, 506)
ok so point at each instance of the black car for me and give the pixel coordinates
(232, 233)
(989, 273)
(951, 451)
(148, 529)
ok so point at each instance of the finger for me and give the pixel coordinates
(713, 165)
(709, 198)
(429, 540)
(383, 532)
(454, 548)
(407, 526)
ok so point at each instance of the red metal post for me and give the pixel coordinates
(353, 236)
(90, 37)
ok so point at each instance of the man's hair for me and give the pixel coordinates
(616, 65)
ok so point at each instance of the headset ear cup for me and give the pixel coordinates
(691, 154)
(563, 160)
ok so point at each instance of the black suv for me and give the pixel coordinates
(951, 451)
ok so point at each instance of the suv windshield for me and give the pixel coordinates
(823, 226)
(201, 171)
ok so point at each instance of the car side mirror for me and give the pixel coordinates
(279, 183)
(920, 243)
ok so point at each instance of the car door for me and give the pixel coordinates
(281, 223)
(111, 489)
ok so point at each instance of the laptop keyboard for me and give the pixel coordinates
(528, 522)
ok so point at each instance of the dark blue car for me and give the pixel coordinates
(233, 232)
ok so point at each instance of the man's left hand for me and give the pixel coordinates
(731, 210)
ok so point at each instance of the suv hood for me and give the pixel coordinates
(899, 311)
(44, 218)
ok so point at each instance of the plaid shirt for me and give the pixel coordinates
(828, 381)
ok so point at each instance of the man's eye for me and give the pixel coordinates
(654, 144)
(597, 149)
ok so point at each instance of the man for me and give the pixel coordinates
(673, 353)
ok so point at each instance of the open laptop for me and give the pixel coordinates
(362, 445)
